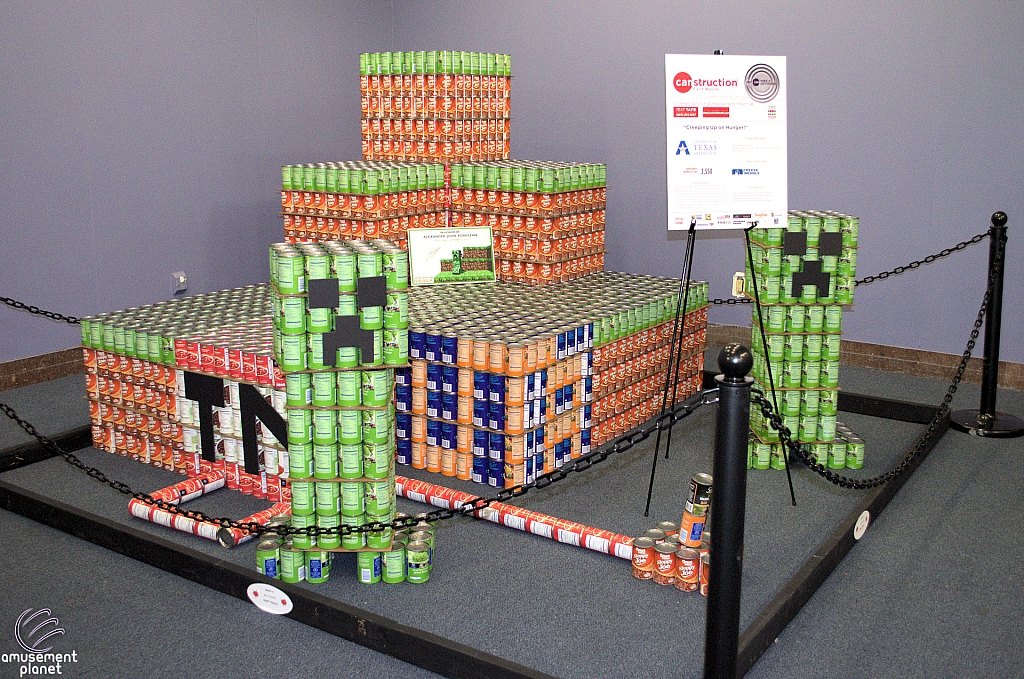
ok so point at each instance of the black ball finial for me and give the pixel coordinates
(735, 361)
(999, 219)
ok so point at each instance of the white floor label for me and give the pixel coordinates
(269, 598)
(862, 525)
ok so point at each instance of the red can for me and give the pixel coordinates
(643, 558)
(705, 568)
(248, 365)
(687, 569)
(665, 564)
(234, 357)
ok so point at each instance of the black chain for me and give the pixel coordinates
(73, 320)
(731, 301)
(927, 260)
(786, 436)
(620, 445)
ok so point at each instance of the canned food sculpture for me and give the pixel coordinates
(805, 274)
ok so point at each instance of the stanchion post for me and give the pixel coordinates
(728, 507)
(986, 421)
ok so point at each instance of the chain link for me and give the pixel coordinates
(73, 320)
(620, 445)
(786, 436)
(927, 260)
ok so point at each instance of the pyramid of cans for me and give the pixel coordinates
(802, 329)
(361, 200)
(547, 217)
(435, 106)
(508, 382)
(135, 364)
(341, 411)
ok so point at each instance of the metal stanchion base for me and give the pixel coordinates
(1002, 426)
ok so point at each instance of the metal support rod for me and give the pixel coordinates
(986, 421)
(728, 506)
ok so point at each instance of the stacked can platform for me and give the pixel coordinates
(547, 217)
(136, 361)
(802, 325)
(508, 382)
(443, 106)
(340, 404)
(361, 200)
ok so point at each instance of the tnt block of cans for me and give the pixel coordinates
(509, 382)
(804, 274)
(443, 106)
(360, 200)
(547, 217)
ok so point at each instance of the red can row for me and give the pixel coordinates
(431, 129)
(449, 107)
(435, 151)
(363, 207)
(528, 203)
(537, 273)
(433, 84)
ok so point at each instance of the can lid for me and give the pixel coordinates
(417, 547)
(687, 553)
(654, 534)
(665, 548)
(667, 527)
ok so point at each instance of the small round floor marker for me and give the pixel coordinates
(861, 525)
(269, 598)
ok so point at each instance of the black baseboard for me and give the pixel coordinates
(28, 453)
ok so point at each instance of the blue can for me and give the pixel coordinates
(481, 386)
(417, 344)
(581, 338)
(434, 373)
(433, 433)
(584, 441)
(479, 473)
(585, 420)
(530, 476)
(538, 462)
(588, 389)
(496, 473)
(403, 425)
(479, 413)
(531, 443)
(449, 407)
(449, 349)
(496, 447)
(543, 409)
(567, 397)
(528, 387)
(403, 398)
(479, 443)
(496, 389)
(403, 376)
(562, 339)
(561, 454)
(433, 348)
(404, 455)
(496, 416)
(450, 379)
(543, 383)
(433, 404)
(570, 342)
(448, 436)
(559, 401)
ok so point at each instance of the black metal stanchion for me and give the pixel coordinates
(985, 421)
(728, 506)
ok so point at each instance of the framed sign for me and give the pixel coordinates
(451, 255)
(726, 141)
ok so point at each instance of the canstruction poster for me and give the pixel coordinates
(451, 255)
(726, 141)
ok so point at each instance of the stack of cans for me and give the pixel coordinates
(442, 106)
(664, 556)
(508, 382)
(360, 200)
(547, 217)
(804, 274)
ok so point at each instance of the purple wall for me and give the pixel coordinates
(143, 138)
(164, 127)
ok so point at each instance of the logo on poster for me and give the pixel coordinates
(682, 82)
(762, 83)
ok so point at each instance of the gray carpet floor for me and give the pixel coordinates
(933, 588)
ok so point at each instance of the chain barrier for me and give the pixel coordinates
(786, 436)
(620, 445)
(21, 306)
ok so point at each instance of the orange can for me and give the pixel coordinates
(705, 568)
(687, 569)
(665, 568)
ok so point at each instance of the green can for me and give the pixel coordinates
(376, 426)
(371, 318)
(345, 269)
(762, 455)
(369, 263)
(300, 460)
(795, 318)
(833, 318)
(293, 353)
(815, 318)
(819, 452)
(830, 347)
(368, 567)
(325, 427)
(324, 389)
(298, 389)
(351, 455)
(350, 427)
(375, 387)
(291, 272)
(377, 460)
(303, 498)
(837, 455)
(332, 541)
(318, 567)
(378, 496)
(315, 350)
(812, 347)
(395, 264)
(778, 456)
(396, 346)
(349, 388)
(396, 310)
(328, 497)
(318, 320)
(808, 428)
(379, 539)
(794, 348)
(293, 563)
(353, 498)
(303, 521)
(854, 453)
(300, 426)
(827, 428)
(828, 402)
(790, 401)
(394, 566)
(417, 559)
(809, 402)
(356, 540)
(811, 377)
(325, 460)
(268, 556)
(792, 374)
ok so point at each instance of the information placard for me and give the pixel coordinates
(726, 141)
(451, 255)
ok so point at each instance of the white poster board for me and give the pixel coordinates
(726, 141)
(451, 255)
